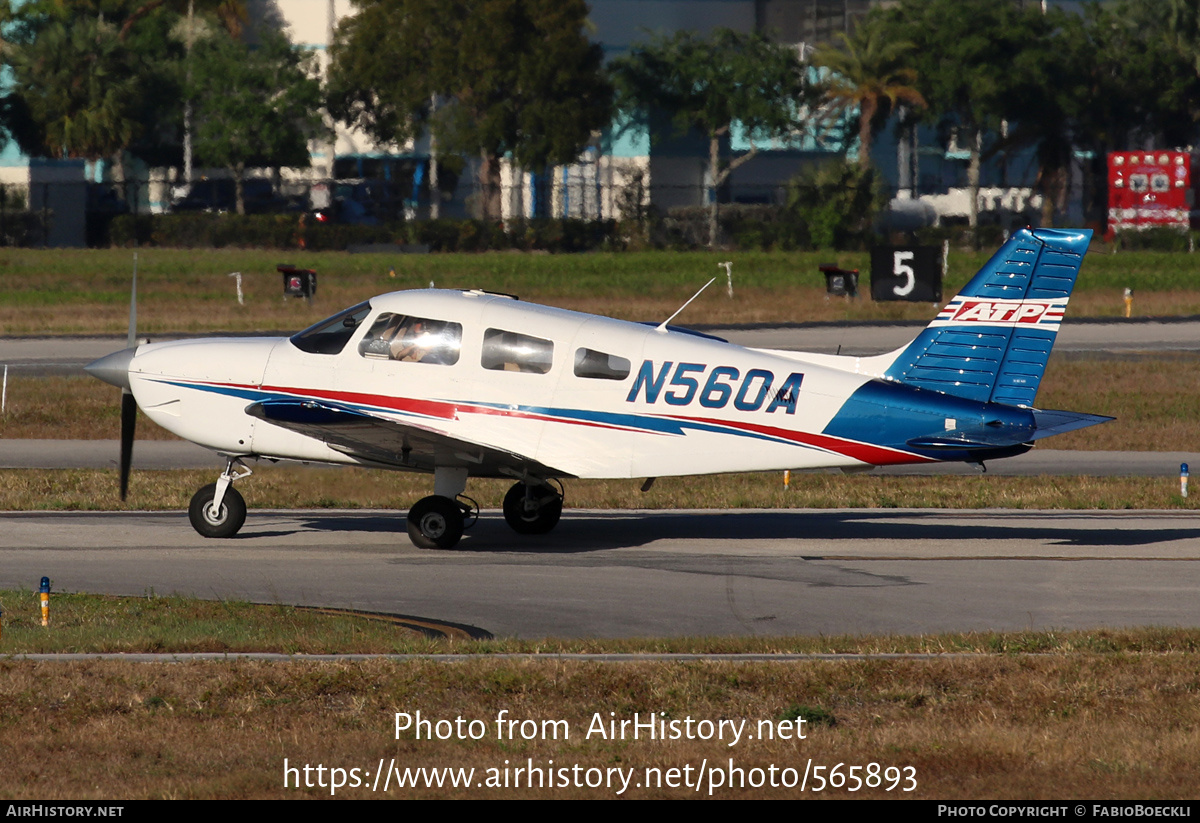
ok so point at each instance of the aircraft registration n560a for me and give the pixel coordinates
(466, 383)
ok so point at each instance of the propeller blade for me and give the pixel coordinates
(128, 422)
(128, 404)
(133, 307)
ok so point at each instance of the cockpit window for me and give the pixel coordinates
(601, 366)
(330, 336)
(512, 351)
(412, 339)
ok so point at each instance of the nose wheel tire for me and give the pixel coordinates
(532, 509)
(435, 522)
(229, 518)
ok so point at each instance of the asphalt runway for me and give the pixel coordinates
(631, 574)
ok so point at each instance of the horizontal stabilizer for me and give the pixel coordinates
(975, 440)
(1044, 424)
(1057, 422)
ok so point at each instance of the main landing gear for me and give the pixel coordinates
(437, 522)
(533, 508)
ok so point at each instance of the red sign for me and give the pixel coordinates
(1148, 188)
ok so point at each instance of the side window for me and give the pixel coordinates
(330, 336)
(412, 340)
(510, 351)
(597, 364)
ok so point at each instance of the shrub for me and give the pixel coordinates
(836, 202)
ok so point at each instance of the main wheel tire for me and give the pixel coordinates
(435, 522)
(540, 516)
(229, 519)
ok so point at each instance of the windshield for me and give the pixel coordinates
(330, 336)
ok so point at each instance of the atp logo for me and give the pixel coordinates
(1004, 312)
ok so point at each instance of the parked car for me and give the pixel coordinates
(363, 203)
(220, 195)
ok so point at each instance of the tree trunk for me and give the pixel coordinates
(435, 193)
(865, 116)
(239, 187)
(714, 157)
(489, 186)
(973, 166)
(1054, 187)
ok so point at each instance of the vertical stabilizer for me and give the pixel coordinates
(992, 341)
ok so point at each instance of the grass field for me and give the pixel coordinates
(996, 727)
(1090, 715)
(74, 292)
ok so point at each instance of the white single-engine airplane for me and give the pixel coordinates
(467, 383)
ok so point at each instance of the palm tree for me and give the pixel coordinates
(868, 72)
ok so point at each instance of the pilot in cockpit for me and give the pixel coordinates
(412, 342)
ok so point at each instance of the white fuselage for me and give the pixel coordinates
(661, 403)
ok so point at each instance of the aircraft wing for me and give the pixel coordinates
(387, 442)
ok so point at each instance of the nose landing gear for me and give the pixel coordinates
(218, 509)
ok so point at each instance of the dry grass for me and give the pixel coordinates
(1153, 399)
(68, 408)
(303, 487)
(98, 623)
(152, 623)
(1058, 727)
(87, 292)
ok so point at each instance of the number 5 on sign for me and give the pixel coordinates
(906, 273)
(903, 269)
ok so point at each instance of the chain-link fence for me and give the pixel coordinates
(77, 214)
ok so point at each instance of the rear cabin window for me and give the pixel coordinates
(330, 336)
(511, 351)
(600, 366)
(409, 339)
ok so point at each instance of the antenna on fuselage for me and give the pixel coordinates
(662, 327)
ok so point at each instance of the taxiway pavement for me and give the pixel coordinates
(637, 573)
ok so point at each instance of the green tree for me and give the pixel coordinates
(80, 89)
(710, 83)
(1107, 79)
(964, 52)
(870, 75)
(88, 74)
(254, 106)
(509, 77)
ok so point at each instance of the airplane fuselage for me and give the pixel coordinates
(661, 402)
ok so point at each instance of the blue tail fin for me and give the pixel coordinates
(992, 341)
